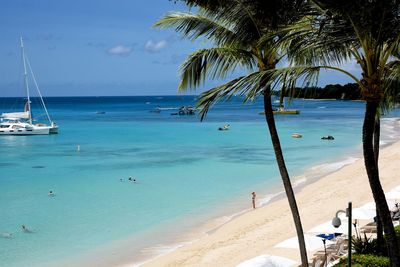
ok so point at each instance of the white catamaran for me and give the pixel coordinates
(22, 123)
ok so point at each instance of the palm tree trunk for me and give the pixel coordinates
(379, 227)
(377, 137)
(269, 116)
(375, 184)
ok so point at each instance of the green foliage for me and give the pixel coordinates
(365, 261)
(397, 230)
(350, 91)
(272, 13)
(364, 245)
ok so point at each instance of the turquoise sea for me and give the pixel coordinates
(187, 171)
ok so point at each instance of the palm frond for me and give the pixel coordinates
(252, 85)
(194, 26)
(215, 63)
(391, 85)
(210, 97)
(309, 43)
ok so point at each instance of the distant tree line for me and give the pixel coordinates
(350, 91)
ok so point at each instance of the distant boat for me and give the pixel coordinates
(185, 110)
(297, 135)
(224, 128)
(21, 123)
(280, 108)
(284, 112)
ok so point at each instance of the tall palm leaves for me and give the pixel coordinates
(369, 32)
(234, 33)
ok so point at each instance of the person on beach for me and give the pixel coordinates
(253, 198)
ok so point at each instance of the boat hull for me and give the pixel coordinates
(21, 128)
(53, 130)
(38, 131)
(284, 112)
(287, 112)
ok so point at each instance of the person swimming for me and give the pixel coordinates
(51, 193)
(6, 235)
(25, 229)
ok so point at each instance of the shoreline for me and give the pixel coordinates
(224, 246)
(120, 252)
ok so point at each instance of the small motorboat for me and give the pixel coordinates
(297, 135)
(224, 128)
(186, 110)
(283, 112)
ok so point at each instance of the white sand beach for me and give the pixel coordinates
(256, 232)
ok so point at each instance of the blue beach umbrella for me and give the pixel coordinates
(329, 236)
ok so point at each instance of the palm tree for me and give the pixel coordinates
(369, 32)
(234, 29)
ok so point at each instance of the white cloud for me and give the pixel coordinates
(120, 50)
(153, 46)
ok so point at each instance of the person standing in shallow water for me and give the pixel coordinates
(253, 198)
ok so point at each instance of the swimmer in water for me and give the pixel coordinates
(51, 193)
(6, 235)
(25, 229)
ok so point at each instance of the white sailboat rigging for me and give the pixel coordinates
(22, 123)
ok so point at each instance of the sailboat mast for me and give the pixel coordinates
(38, 90)
(26, 82)
(282, 98)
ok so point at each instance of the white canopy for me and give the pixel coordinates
(397, 188)
(328, 228)
(16, 115)
(371, 205)
(395, 195)
(360, 214)
(312, 242)
(267, 261)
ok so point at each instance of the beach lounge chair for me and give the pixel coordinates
(333, 253)
(369, 228)
(318, 261)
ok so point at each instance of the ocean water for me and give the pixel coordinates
(187, 171)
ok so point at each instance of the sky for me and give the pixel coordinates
(97, 48)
